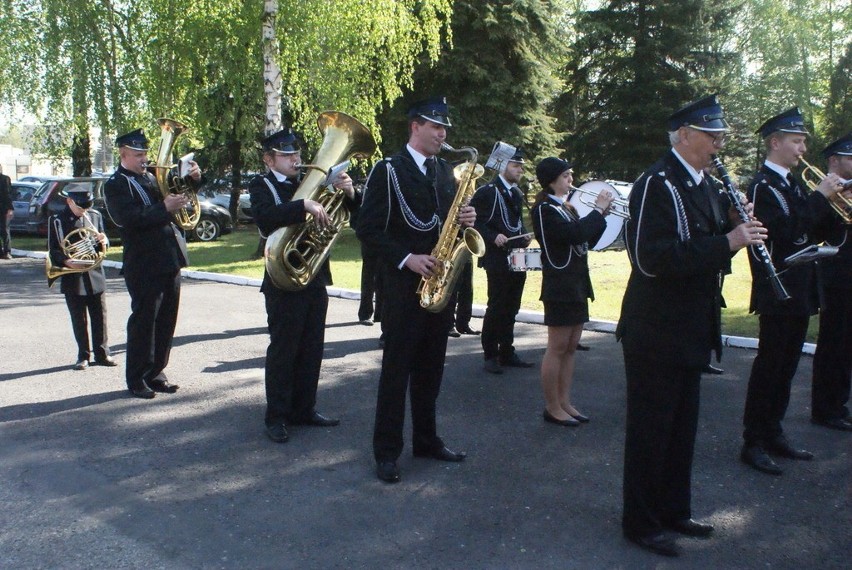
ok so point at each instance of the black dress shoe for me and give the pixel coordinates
(580, 418)
(710, 369)
(781, 447)
(571, 422)
(144, 392)
(81, 364)
(492, 366)
(690, 527)
(467, 330)
(277, 433)
(105, 361)
(162, 385)
(756, 456)
(658, 543)
(441, 454)
(841, 424)
(454, 333)
(387, 471)
(582, 347)
(366, 322)
(515, 362)
(316, 419)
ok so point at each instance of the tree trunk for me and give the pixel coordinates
(81, 159)
(271, 81)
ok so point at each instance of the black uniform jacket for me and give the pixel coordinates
(498, 207)
(793, 221)
(836, 271)
(153, 245)
(60, 225)
(402, 212)
(564, 251)
(270, 216)
(675, 239)
(5, 194)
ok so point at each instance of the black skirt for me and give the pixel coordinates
(561, 314)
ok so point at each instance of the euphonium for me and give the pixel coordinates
(80, 245)
(294, 254)
(188, 216)
(455, 244)
(812, 176)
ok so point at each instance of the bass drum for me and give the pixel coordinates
(613, 236)
(525, 259)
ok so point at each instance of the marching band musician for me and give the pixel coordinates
(832, 369)
(793, 220)
(565, 283)
(296, 319)
(407, 200)
(499, 216)
(84, 291)
(670, 322)
(154, 252)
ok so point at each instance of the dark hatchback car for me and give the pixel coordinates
(215, 220)
(22, 195)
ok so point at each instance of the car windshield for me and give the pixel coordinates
(23, 194)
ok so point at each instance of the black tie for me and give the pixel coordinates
(430, 169)
(794, 188)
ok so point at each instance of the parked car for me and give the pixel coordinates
(215, 221)
(22, 194)
(223, 199)
(40, 179)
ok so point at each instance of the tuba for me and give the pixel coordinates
(187, 217)
(294, 254)
(455, 244)
(812, 176)
(82, 246)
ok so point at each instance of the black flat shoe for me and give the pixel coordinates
(582, 347)
(144, 392)
(568, 423)
(755, 456)
(781, 447)
(316, 419)
(689, 527)
(580, 418)
(657, 543)
(710, 369)
(442, 454)
(105, 361)
(453, 333)
(164, 386)
(387, 471)
(515, 362)
(840, 424)
(277, 433)
(467, 330)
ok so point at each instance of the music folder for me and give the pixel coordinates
(184, 166)
(500, 155)
(334, 173)
(811, 253)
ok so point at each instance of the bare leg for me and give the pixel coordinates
(566, 377)
(552, 365)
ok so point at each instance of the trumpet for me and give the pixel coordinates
(813, 176)
(619, 206)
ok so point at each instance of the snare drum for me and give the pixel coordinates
(525, 259)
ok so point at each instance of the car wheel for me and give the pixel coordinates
(207, 229)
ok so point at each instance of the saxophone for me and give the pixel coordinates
(455, 244)
(188, 216)
(294, 254)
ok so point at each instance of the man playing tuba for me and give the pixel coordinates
(154, 252)
(296, 317)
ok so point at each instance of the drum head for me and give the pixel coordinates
(525, 259)
(614, 224)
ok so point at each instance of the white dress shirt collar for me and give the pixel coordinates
(697, 176)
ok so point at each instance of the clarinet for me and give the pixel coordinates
(765, 259)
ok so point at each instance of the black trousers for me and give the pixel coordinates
(505, 289)
(85, 308)
(833, 357)
(371, 284)
(415, 348)
(662, 420)
(780, 345)
(5, 235)
(293, 360)
(463, 297)
(154, 305)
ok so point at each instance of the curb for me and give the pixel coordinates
(524, 315)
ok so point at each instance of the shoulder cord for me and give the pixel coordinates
(682, 222)
(504, 212)
(408, 215)
(578, 249)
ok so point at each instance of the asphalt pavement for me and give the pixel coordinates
(93, 478)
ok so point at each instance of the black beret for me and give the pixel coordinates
(550, 169)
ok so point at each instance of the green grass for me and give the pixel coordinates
(610, 270)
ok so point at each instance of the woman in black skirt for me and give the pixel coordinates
(565, 289)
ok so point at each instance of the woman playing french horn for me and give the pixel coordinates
(566, 287)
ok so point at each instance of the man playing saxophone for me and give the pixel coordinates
(83, 290)
(154, 252)
(296, 318)
(407, 200)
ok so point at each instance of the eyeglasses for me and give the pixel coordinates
(719, 139)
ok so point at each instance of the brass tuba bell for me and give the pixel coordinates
(188, 216)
